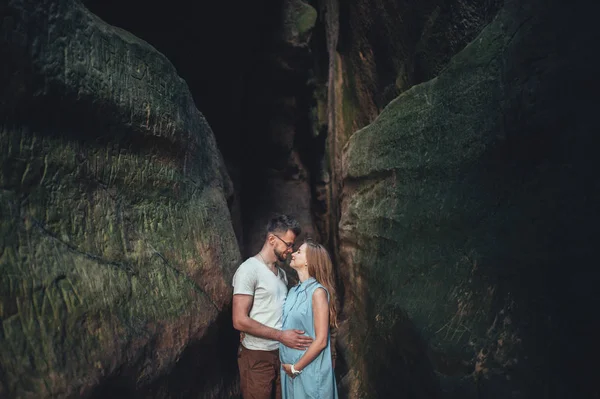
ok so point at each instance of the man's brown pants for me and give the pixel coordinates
(259, 374)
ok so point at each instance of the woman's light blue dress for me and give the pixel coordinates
(317, 379)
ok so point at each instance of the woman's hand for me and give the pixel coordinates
(288, 370)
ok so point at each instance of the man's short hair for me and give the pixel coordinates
(283, 223)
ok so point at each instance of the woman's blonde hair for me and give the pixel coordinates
(321, 268)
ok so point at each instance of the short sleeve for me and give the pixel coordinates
(244, 280)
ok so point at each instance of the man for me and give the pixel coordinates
(259, 290)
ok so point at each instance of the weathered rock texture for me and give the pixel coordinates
(387, 46)
(214, 50)
(248, 71)
(116, 245)
(368, 52)
(467, 210)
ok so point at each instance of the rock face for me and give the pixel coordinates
(467, 208)
(116, 244)
(387, 46)
(369, 52)
(213, 50)
(250, 72)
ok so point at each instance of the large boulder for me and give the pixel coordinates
(116, 244)
(467, 210)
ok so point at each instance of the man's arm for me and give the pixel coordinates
(242, 322)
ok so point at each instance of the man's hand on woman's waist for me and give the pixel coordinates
(294, 339)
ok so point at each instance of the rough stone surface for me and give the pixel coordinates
(248, 71)
(116, 244)
(299, 19)
(387, 46)
(467, 210)
(214, 50)
(368, 52)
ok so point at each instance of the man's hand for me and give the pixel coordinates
(295, 339)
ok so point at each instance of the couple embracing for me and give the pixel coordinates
(286, 347)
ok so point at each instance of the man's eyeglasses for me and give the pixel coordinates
(290, 245)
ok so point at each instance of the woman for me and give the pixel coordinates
(310, 306)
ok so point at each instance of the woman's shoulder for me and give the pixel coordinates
(316, 291)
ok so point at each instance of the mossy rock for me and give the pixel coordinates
(116, 245)
(299, 18)
(457, 199)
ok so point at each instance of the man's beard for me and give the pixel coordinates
(281, 256)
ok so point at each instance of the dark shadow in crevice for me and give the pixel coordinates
(399, 353)
(207, 369)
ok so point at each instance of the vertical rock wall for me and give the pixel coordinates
(467, 209)
(372, 51)
(116, 245)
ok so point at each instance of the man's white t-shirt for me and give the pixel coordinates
(269, 291)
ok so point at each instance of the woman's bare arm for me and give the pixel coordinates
(320, 309)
